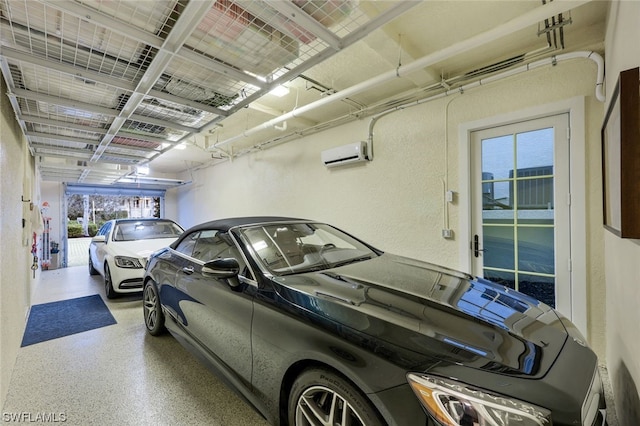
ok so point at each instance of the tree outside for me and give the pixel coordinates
(87, 213)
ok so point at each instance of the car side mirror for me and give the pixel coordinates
(98, 239)
(222, 268)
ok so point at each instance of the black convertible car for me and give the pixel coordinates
(315, 327)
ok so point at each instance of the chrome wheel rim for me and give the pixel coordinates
(150, 310)
(319, 405)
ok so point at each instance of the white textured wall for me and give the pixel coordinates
(16, 179)
(622, 256)
(383, 201)
(396, 201)
(171, 205)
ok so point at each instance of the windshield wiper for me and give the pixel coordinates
(349, 261)
(305, 270)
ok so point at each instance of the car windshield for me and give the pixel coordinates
(290, 248)
(146, 230)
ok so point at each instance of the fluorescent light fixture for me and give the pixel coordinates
(147, 180)
(142, 170)
(280, 91)
(167, 145)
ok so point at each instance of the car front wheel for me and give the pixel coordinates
(108, 283)
(153, 316)
(320, 396)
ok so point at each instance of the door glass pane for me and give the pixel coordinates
(498, 245)
(497, 157)
(535, 217)
(497, 202)
(535, 150)
(542, 288)
(535, 194)
(535, 250)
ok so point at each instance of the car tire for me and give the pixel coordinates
(153, 316)
(108, 283)
(319, 386)
(92, 270)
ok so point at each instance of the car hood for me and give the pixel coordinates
(139, 248)
(418, 313)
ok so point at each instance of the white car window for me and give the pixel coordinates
(104, 230)
(145, 230)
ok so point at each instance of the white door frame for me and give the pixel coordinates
(577, 148)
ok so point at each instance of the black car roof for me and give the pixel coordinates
(226, 224)
(146, 219)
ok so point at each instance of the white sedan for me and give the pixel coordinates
(120, 250)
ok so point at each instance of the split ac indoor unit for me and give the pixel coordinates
(345, 154)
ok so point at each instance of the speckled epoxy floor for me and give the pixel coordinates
(119, 375)
(115, 375)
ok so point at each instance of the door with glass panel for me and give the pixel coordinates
(520, 208)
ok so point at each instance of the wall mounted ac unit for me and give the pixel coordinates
(345, 154)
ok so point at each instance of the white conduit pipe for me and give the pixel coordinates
(552, 60)
(547, 61)
(530, 18)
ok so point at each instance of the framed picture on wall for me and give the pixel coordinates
(620, 136)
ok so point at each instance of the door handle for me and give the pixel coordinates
(476, 246)
(188, 270)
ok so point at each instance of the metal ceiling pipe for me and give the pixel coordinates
(552, 60)
(530, 18)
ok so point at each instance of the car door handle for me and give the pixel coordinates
(476, 246)
(188, 270)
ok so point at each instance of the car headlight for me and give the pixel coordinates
(453, 403)
(128, 262)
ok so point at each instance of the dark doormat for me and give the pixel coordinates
(50, 321)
